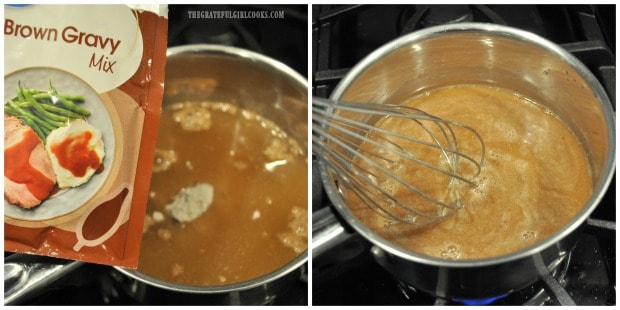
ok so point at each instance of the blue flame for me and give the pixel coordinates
(479, 302)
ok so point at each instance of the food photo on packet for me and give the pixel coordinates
(147, 166)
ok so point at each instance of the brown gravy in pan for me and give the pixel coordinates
(534, 180)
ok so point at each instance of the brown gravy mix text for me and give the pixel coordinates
(534, 180)
(257, 221)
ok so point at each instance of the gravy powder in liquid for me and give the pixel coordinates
(257, 221)
(535, 177)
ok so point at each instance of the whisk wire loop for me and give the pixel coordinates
(353, 174)
(340, 128)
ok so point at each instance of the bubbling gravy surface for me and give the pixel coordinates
(535, 177)
(257, 220)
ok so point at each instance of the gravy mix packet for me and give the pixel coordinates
(83, 86)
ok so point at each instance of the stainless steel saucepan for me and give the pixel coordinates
(476, 53)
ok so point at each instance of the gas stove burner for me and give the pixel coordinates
(479, 302)
(534, 295)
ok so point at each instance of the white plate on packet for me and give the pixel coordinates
(67, 200)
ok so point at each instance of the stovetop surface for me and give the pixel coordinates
(345, 34)
(350, 276)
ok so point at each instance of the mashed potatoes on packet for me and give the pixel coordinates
(76, 152)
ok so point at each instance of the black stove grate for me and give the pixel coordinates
(344, 34)
(350, 276)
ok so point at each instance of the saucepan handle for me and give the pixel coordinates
(26, 276)
(327, 232)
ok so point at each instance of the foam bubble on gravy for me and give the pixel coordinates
(534, 180)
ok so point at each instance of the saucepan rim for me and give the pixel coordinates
(495, 30)
(295, 264)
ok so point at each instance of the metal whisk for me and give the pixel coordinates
(394, 172)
